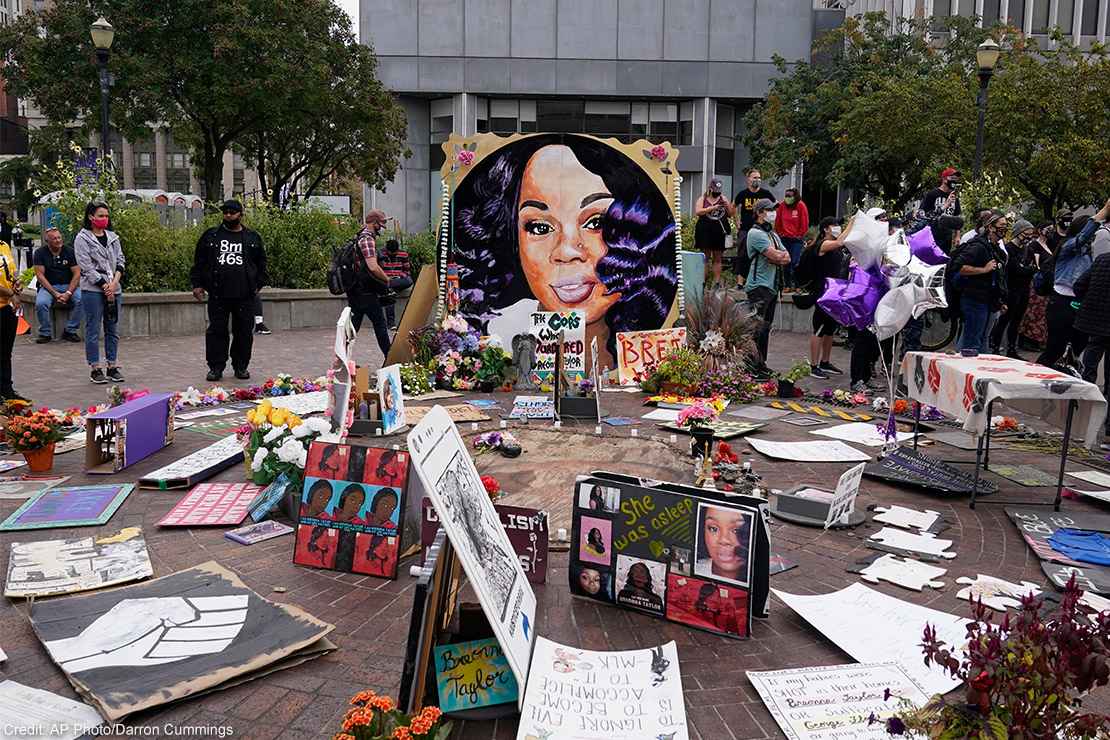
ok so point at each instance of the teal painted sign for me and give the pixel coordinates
(473, 674)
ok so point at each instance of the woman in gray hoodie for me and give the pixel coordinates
(100, 257)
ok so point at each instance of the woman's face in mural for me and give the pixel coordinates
(560, 214)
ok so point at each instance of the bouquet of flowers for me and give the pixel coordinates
(281, 385)
(276, 441)
(414, 379)
(457, 359)
(32, 431)
(696, 415)
(492, 486)
(374, 717)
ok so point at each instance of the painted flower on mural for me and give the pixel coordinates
(466, 157)
(659, 152)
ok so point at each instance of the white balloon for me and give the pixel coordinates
(867, 240)
(897, 249)
(922, 289)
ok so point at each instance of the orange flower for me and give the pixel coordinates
(383, 703)
(402, 733)
(431, 713)
(363, 697)
(421, 725)
(343, 736)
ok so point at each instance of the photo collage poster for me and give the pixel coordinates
(685, 557)
(351, 507)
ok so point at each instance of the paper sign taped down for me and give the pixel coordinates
(638, 349)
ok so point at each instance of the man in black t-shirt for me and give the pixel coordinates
(745, 201)
(58, 277)
(230, 264)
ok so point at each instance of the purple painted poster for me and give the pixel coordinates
(72, 506)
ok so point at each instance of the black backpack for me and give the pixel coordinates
(1045, 278)
(347, 272)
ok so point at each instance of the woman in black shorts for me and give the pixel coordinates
(831, 262)
(714, 213)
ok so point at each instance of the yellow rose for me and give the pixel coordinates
(294, 421)
(265, 407)
(278, 417)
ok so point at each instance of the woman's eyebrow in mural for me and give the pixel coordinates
(534, 204)
(596, 196)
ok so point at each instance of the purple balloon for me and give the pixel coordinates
(852, 302)
(923, 245)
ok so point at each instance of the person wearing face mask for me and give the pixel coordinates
(230, 265)
(1059, 230)
(791, 224)
(744, 215)
(979, 264)
(825, 258)
(1020, 267)
(364, 298)
(99, 254)
(767, 257)
(714, 214)
(1072, 260)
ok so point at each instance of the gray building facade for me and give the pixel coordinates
(677, 70)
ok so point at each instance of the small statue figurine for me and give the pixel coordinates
(524, 359)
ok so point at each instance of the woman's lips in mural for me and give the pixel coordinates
(573, 290)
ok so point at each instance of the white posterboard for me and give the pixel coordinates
(533, 407)
(844, 500)
(808, 451)
(546, 326)
(28, 712)
(447, 473)
(873, 627)
(300, 404)
(859, 432)
(590, 695)
(342, 374)
(834, 702)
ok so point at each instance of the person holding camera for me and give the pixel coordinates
(230, 265)
(371, 285)
(979, 273)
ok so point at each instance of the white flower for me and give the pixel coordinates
(713, 343)
(301, 431)
(274, 434)
(291, 450)
(191, 397)
(260, 456)
(316, 425)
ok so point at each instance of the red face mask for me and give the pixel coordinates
(99, 223)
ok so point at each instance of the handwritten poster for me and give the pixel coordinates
(533, 407)
(812, 452)
(527, 530)
(827, 702)
(590, 695)
(212, 505)
(638, 349)
(546, 327)
(474, 674)
(871, 626)
(844, 501)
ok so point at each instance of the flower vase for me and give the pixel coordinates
(702, 444)
(786, 388)
(487, 386)
(40, 460)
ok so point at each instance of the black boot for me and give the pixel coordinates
(1011, 351)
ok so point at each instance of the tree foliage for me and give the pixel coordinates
(211, 72)
(883, 112)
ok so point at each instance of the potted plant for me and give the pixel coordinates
(680, 373)
(1025, 678)
(35, 435)
(373, 717)
(696, 419)
(493, 364)
(787, 380)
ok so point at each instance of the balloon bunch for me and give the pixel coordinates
(892, 278)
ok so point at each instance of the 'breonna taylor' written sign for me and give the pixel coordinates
(546, 327)
(638, 349)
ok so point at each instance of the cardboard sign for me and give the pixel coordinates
(546, 327)
(392, 402)
(638, 349)
(592, 695)
(826, 702)
(122, 436)
(53, 567)
(844, 500)
(212, 505)
(23, 487)
(142, 646)
(71, 506)
(447, 473)
(342, 373)
(352, 504)
(526, 528)
(686, 554)
(474, 674)
(533, 407)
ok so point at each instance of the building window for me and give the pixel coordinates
(1040, 15)
(442, 123)
(145, 159)
(560, 116)
(503, 115)
(528, 117)
(724, 151)
(177, 161)
(608, 119)
(664, 122)
(639, 119)
(1015, 13)
(1088, 25)
(990, 12)
(685, 124)
(481, 115)
(1065, 14)
(967, 8)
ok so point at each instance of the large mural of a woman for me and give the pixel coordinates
(561, 222)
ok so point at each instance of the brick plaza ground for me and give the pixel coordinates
(371, 615)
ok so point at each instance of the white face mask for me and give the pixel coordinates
(835, 231)
(770, 217)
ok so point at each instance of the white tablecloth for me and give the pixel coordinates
(963, 386)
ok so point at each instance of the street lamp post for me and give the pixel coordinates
(987, 56)
(102, 36)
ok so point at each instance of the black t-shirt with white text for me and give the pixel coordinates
(745, 202)
(58, 268)
(935, 204)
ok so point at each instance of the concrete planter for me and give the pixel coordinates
(179, 314)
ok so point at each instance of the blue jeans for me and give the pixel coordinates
(44, 301)
(976, 317)
(95, 317)
(794, 247)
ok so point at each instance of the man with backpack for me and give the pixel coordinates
(370, 282)
(230, 265)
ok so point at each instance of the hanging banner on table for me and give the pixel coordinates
(590, 695)
(546, 327)
(837, 701)
(636, 350)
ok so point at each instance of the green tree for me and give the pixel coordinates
(210, 71)
(340, 122)
(879, 109)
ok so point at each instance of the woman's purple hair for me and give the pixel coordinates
(638, 229)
